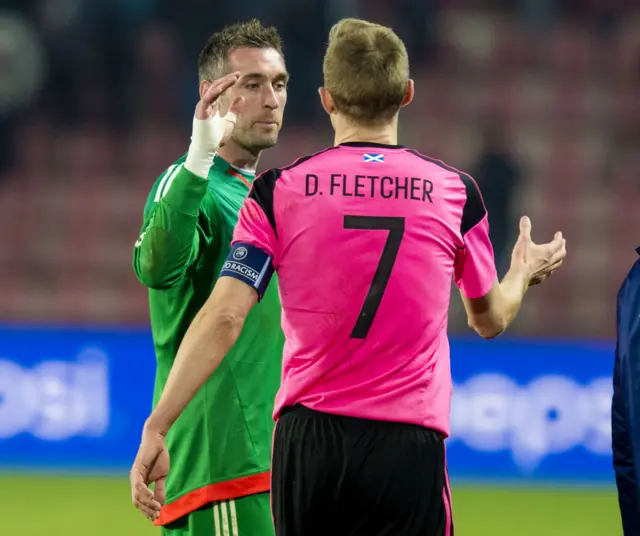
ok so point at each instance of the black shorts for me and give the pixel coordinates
(334, 475)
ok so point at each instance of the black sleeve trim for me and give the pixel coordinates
(262, 193)
(474, 209)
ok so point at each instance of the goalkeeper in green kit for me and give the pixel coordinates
(220, 447)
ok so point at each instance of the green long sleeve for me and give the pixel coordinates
(170, 238)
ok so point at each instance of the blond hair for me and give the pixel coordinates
(366, 70)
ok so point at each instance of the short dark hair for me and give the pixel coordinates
(212, 62)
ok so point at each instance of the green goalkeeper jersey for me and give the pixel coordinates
(220, 446)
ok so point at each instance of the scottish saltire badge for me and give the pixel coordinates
(369, 157)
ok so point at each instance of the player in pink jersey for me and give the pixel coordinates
(366, 237)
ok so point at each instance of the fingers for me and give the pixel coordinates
(556, 248)
(150, 514)
(556, 253)
(559, 252)
(554, 256)
(218, 87)
(554, 266)
(234, 110)
(525, 227)
(232, 115)
(142, 497)
(142, 473)
(230, 119)
(160, 491)
(558, 241)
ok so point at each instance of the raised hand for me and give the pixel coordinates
(210, 129)
(537, 261)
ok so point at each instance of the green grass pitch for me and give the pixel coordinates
(47, 505)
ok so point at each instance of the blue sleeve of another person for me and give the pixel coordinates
(625, 411)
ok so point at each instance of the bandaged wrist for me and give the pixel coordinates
(199, 160)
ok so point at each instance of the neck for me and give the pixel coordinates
(238, 156)
(347, 131)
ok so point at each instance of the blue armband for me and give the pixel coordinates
(249, 264)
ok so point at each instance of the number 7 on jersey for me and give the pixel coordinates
(395, 226)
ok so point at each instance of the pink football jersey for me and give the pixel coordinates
(366, 239)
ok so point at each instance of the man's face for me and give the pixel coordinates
(263, 84)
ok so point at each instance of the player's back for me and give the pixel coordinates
(368, 240)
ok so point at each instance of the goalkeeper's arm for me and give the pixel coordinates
(169, 241)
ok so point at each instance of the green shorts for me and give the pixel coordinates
(246, 516)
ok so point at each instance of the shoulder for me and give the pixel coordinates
(263, 187)
(308, 158)
(160, 186)
(631, 281)
(266, 181)
(464, 179)
(474, 209)
(268, 177)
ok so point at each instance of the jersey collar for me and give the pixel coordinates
(222, 166)
(370, 144)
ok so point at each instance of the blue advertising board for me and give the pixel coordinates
(531, 410)
(77, 399)
(73, 399)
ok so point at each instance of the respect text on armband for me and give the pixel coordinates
(241, 269)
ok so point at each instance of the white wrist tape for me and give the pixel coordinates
(206, 138)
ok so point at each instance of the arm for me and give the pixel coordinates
(210, 336)
(169, 241)
(243, 280)
(164, 251)
(475, 269)
(492, 306)
(625, 454)
(491, 314)
(212, 333)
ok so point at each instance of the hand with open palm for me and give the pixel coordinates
(210, 129)
(537, 261)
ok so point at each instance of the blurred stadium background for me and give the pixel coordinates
(537, 98)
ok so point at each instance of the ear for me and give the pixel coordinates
(326, 100)
(410, 93)
(204, 86)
